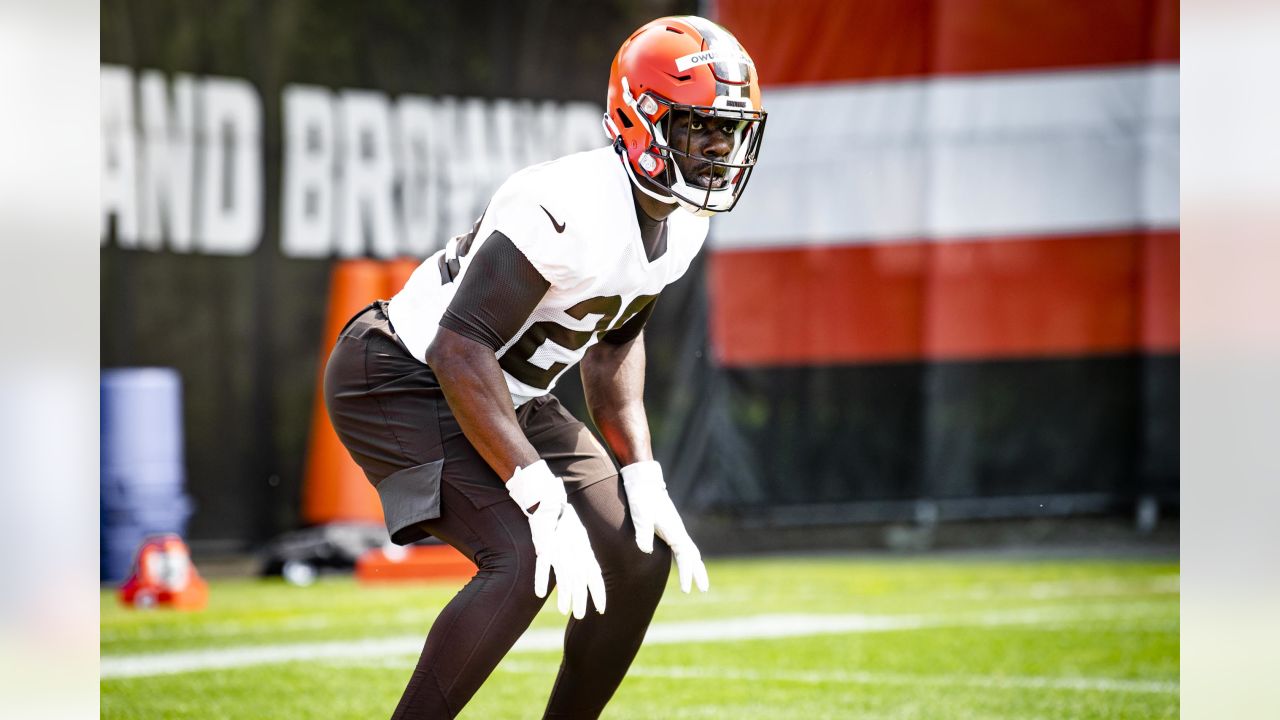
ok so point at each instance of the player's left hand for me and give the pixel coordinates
(653, 513)
(560, 542)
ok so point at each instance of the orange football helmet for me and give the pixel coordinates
(688, 65)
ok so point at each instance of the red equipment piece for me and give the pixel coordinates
(164, 576)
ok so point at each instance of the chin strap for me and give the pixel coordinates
(621, 149)
(635, 180)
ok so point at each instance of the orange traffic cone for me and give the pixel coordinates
(164, 576)
(334, 487)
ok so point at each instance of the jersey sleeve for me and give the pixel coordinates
(496, 295)
(530, 222)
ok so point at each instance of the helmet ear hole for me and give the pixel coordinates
(626, 121)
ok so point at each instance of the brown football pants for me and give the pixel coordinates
(391, 415)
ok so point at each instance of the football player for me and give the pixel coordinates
(442, 393)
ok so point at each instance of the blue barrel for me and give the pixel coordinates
(142, 463)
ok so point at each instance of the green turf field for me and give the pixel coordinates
(802, 638)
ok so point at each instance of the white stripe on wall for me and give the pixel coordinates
(1038, 153)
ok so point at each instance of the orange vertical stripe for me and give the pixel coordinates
(335, 489)
(1165, 38)
(826, 40)
(817, 304)
(973, 36)
(1029, 297)
(808, 41)
(978, 299)
(1161, 308)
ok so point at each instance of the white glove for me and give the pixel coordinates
(653, 512)
(559, 540)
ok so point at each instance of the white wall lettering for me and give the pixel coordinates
(119, 190)
(307, 221)
(362, 174)
(367, 223)
(168, 151)
(230, 140)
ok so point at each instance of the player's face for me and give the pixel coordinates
(702, 137)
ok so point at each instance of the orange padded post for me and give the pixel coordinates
(334, 487)
(415, 562)
(398, 272)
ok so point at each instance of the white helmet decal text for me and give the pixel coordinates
(714, 55)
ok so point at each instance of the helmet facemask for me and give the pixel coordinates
(734, 169)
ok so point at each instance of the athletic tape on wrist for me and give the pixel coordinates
(648, 472)
(535, 484)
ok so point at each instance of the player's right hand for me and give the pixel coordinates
(559, 540)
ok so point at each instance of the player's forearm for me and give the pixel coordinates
(473, 385)
(613, 382)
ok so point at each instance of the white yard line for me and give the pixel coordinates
(1081, 589)
(730, 629)
(875, 678)
(320, 620)
(248, 628)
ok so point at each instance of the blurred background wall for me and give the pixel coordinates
(950, 293)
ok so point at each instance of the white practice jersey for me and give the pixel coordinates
(575, 221)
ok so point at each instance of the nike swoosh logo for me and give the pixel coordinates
(558, 226)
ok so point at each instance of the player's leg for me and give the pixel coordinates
(480, 624)
(389, 412)
(599, 648)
